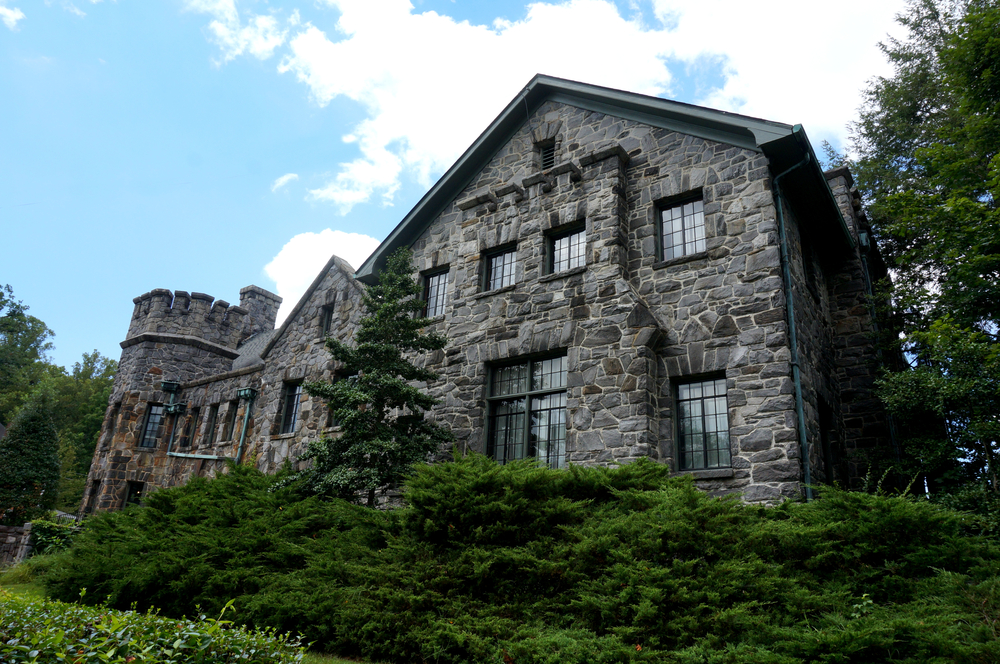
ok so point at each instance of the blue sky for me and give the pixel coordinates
(204, 145)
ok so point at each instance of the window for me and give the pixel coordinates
(682, 230)
(527, 412)
(213, 416)
(435, 293)
(230, 428)
(548, 155)
(703, 425)
(500, 268)
(292, 394)
(190, 426)
(567, 250)
(151, 428)
(134, 492)
(326, 320)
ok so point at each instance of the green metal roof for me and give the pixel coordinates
(783, 144)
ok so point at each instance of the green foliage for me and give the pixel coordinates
(207, 541)
(38, 630)
(929, 166)
(29, 457)
(51, 537)
(520, 564)
(78, 399)
(24, 342)
(381, 414)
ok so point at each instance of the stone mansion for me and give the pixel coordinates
(619, 276)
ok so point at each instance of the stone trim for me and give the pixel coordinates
(680, 260)
(605, 153)
(562, 274)
(707, 474)
(487, 198)
(222, 376)
(182, 339)
(495, 291)
(575, 175)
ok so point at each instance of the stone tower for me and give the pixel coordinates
(173, 337)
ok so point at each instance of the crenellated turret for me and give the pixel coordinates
(197, 315)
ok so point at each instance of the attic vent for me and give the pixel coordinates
(548, 157)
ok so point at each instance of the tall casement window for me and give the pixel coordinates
(190, 427)
(291, 394)
(213, 416)
(703, 425)
(435, 293)
(326, 320)
(527, 411)
(151, 427)
(230, 428)
(500, 268)
(567, 250)
(682, 229)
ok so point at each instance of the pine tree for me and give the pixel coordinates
(381, 413)
(29, 463)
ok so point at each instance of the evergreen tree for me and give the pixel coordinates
(928, 143)
(381, 413)
(29, 463)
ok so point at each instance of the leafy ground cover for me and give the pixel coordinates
(520, 564)
(41, 630)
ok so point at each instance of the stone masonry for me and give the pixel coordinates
(632, 325)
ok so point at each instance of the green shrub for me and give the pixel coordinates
(37, 630)
(521, 564)
(51, 537)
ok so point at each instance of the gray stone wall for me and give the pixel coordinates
(207, 380)
(15, 544)
(632, 325)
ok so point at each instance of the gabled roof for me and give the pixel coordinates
(785, 146)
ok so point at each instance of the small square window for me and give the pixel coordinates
(134, 492)
(682, 229)
(151, 428)
(435, 293)
(567, 250)
(291, 395)
(703, 425)
(500, 269)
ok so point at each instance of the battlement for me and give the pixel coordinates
(263, 307)
(161, 311)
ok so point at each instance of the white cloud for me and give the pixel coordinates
(259, 37)
(302, 257)
(430, 84)
(283, 180)
(10, 15)
(787, 60)
(73, 9)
